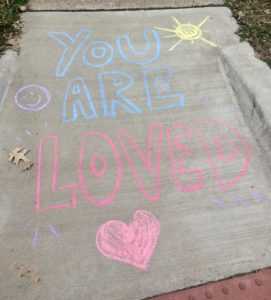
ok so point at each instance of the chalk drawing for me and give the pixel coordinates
(133, 244)
(121, 81)
(158, 90)
(72, 46)
(148, 55)
(98, 171)
(101, 158)
(32, 97)
(259, 197)
(53, 230)
(186, 32)
(219, 202)
(78, 101)
(150, 158)
(35, 238)
(89, 138)
(3, 94)
(53, 142)
(179, 143)
(36, 234)
(245, 201)
(102, 52)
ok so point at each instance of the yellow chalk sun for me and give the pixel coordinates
(186, 32)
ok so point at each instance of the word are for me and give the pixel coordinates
(100, 163)
(113, 89)
(134, 243)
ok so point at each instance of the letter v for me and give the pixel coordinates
(151, 159)
(71, 47)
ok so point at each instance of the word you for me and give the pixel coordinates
(132, 244)
(98, 54)
(32, 97)
(100, 161)
(186, 32)
(79, 104)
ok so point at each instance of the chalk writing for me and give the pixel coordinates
(100, 161)
(72, 47)
(186, 32)
(97, 54)
(101, 52)
(78, 102)
(141, 57)
(98, 140)
(132, 244)
(32, 97)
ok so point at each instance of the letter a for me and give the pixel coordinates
(78, 99)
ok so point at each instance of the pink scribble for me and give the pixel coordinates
(134, 243)
(108, 199)
(150, 158)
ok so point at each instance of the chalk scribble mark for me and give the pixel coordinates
(134, 243)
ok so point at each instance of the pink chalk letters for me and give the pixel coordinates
(100, 165)
(134, 243)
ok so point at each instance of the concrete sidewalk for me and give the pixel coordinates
(149, 133)
(89, 5)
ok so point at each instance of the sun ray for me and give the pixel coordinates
(166, 29)
(176, 21)
(204, 21)
(169, 36)
(208, 42)
(175, 45)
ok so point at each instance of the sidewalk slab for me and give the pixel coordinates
(147, 177)
(89, 5)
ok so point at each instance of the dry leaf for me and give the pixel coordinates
(18, 157)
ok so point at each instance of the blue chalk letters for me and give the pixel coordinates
(158, 90)
(78, 101)
(121, 82)
(149, 54)
(71, 48)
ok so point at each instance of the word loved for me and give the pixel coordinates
(100, 163)
(134, 243)
(113, 88)
(98, 54)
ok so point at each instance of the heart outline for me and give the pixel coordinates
(132, 243)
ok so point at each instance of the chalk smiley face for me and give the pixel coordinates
(32, 97)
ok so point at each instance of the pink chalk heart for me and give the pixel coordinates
(133, 243)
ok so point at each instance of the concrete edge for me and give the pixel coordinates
(250, 79)
(8, 67)
(98, 5)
